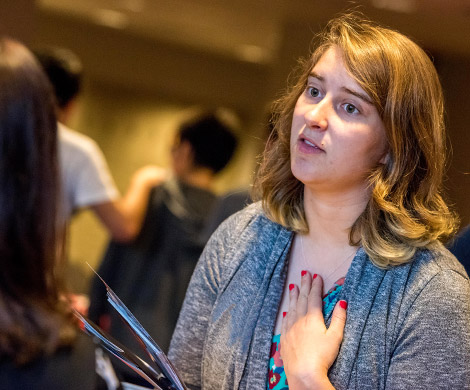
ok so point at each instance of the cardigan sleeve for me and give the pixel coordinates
(189, 335)
(187, 344)
(432, 348)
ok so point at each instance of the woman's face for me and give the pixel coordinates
(337, 135)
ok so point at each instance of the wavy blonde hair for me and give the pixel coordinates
(406, 210)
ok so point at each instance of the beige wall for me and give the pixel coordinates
(18, 19)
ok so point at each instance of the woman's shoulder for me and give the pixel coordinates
(436, 271)
(438, 259)
(251, 217)
(244, 235)
(249, 212)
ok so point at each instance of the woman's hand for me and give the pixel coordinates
(308, 348)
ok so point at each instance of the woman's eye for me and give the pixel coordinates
(351, 108)
(312, 91)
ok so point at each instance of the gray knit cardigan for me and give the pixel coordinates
(407, 327)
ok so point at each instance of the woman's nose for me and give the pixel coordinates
(316, 116)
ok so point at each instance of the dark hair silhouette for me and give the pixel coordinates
(64, 70)
(212, 141)
(33, 318)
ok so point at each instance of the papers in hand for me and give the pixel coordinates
(160, 373)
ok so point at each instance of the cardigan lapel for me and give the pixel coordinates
(359, 290)
(245, 304)
(257, 362)
(259, 325)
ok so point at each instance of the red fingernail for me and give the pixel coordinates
(291, 286)
(314, 276)
(303, 273)
(284, 314)
(343, 305)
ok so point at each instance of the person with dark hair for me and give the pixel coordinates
(151, 274)
(86, 180)
(40, 347)
(235, 200)
(337, 278)
(64, 70)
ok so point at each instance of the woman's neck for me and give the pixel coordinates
(331, 216)
(326, 249)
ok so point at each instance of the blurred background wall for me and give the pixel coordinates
(147, 62)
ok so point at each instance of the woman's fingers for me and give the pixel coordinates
(292, 313)
(338, 320)
(308, 301)
(305, 300)
(315, 302)
(302, 301)
(308, 347)
(284, 327)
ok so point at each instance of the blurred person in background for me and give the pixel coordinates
(151, 274)
(86, 180)
(235, 200)
(40, 344)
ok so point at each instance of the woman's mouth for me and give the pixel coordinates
(308, 146)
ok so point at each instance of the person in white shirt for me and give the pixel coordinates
(86, 179)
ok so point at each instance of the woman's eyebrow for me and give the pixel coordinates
(361, 96)
(316, 76)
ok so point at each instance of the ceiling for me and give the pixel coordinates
(236, 53)
(253, 31)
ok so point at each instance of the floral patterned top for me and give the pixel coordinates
(277, 377)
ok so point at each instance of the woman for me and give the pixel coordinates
(39, 344)
(350, 202)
